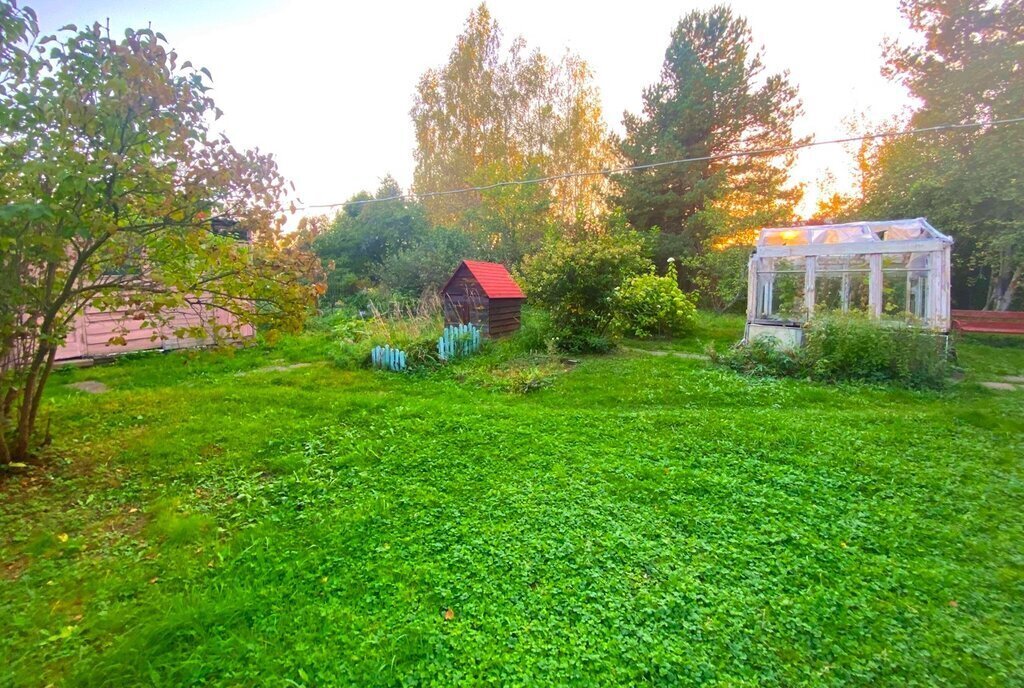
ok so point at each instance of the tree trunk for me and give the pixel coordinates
(22, 406)
(1004, 286)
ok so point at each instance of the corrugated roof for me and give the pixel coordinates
(494, 280)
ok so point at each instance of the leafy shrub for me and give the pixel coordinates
(425, 265)
(411, 328)
(848, 347)
(535, 334)
(854, 347)
(422, 353)
(649, 305)
(719, 276)
(501, 371)
(352, 355)
(583, 343)
(763, 357)
(576, 282)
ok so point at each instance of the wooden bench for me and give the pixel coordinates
(989, 322)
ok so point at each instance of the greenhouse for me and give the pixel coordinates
(896, 269)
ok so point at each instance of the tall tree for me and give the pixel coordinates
(713, 97)
(967, 66)
(110, 179)
(489, 111)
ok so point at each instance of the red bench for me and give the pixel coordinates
(989, 322)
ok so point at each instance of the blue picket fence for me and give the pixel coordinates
(458, 340)
(455, 341)
(386, 358)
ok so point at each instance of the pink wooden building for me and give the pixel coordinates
(93, 329)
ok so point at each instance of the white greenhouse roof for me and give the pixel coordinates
(851, 232)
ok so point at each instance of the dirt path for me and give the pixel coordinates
(677, 354)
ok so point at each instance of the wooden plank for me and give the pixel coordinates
(946, 298)
(751, 288)
(810, 282)
(995, 316)
(875, 294)
(860, 247)
(988, 329)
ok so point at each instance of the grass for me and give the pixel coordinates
(720, 330)
(636, 520)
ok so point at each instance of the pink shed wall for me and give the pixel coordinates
(93, 330)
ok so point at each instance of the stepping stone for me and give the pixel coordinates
(90, 386)
(1001, 386)
(1019, 379)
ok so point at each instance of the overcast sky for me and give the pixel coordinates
(327, 86)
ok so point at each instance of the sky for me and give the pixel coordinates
(327, 86)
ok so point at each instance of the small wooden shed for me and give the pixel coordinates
(485, 295)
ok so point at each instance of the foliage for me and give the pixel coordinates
(855, 347)
(110, 184)
(713, 97)
(524, 362)
(964, 67)
(849, 347)
(709, 329)
(520, 376)
(510, 221)
(364, 236)
(762, 357)
(492, 113)
(412, 328)
(426, 264)
(719, 276)
(642, 520)
(576, 282)
(534, 336)
(652, 305)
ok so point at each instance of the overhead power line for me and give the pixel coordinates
(666, 163)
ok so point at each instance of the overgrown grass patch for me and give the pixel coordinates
(636, 520)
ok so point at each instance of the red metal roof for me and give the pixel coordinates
(494, 280)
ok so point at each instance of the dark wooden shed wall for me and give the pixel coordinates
(465, 302)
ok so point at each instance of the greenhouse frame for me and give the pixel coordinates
(895, 270)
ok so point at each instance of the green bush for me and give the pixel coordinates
(535, 335)
(763, 357)
(848, 347)
(855, 347)
(652, 305)
(426, 264)
(576, 282)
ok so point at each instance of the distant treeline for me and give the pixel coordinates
(494, 113)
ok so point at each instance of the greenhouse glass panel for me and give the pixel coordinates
(780, 289)
(905, 285)
(842, 284)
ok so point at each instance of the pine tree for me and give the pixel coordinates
(713, 97)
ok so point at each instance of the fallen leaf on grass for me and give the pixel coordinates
(449, 614)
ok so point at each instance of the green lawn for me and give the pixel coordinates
(720, 331)
(640, 520)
